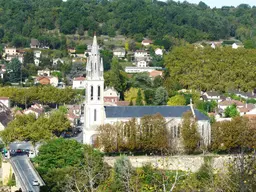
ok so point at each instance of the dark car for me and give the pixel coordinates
(18, 151)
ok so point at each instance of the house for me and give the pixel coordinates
(155, 73)
(247, 109)
(10, 51)
(248, 95)
(5, 101)
(2, 70)
(159, 52)
(79, 83)
(119, 52)
(141, 63)
(97, 114)
(36, 62)
(47, 80)
(56, 61)
(226, 103)
(213, 45)
(110, 95)
(212, 96)
(19, 57)
(5, 116)
(34, 44)
(141, 69)
(37, 54)
(36, 109)
(45, 72)
(71, 50)
(146, 42)
(140, 54)
(74, 114)
(234, 46)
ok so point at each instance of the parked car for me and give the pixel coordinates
(35, 183)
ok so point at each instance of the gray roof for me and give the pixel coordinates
(140, 111)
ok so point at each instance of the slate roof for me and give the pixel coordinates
(140, 111)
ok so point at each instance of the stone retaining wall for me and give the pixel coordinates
(184, 163)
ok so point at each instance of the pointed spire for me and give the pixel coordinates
(94, 40)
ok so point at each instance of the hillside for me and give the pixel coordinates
(24, 19)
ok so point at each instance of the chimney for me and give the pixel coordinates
(191, 107)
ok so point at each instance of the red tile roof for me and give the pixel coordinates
(231, 102)
(155, 73)
(79, 78)
(122, 103)
(4, 98)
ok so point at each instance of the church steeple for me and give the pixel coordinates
(94, 68)
(94, 89)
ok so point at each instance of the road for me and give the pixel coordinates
(25, 173)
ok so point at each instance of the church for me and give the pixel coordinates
(97, 114)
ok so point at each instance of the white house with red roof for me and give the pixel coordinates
(79, 83)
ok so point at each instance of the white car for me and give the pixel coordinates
(35, 183)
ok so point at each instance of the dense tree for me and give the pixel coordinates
(123, 173)
(235, 135)
(127, 136)
(117, 78)
(189, 133)
(231, 111)
(22, 96)
(13, 69)
(177, 100)
(139, 99)
(161, 96)
(199, 68)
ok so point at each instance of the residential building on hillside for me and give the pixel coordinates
(36, 109)
(45, 72)
(146, 42)
(97, 114)
(141, 69)
(56, 61)
(159, 52)
(10, 51)
(47, 80)
(155, 73)
(78, 83)
(34, 44)
(212, 96)
(119, 52)
(140, 54)
(110, 95)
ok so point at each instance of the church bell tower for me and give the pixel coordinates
(94, 103)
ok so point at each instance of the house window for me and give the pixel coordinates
(81, 82)
(95, 113)
(91, 92)
(202, 130)
(98, 92)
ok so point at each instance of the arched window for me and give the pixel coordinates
(202, 130)
(95, 115)
(98, 92)
(178, 131)
(175, 131)
(91, 92)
